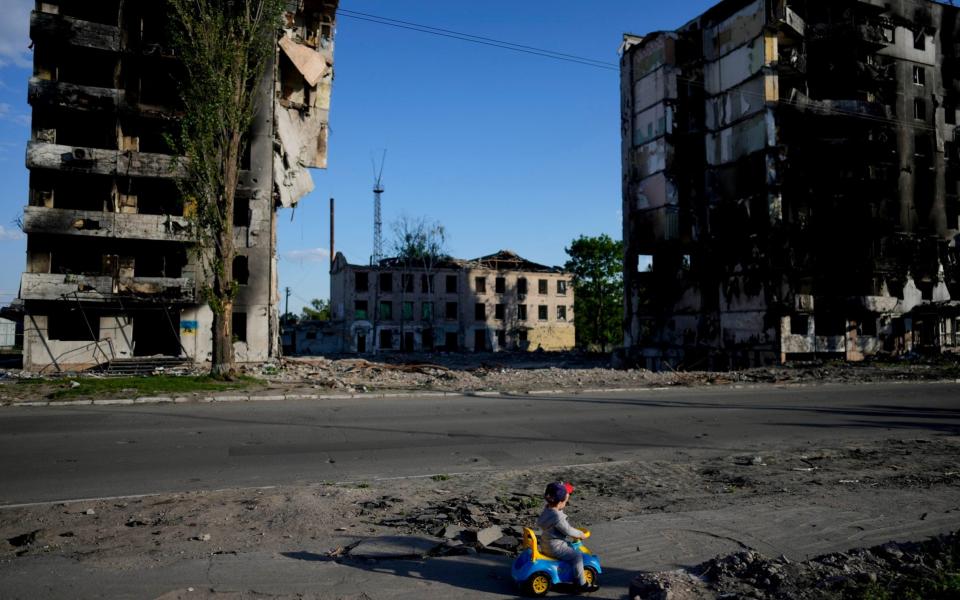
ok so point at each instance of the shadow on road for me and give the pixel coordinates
(489, 574)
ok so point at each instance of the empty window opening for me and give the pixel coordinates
(500, 285)
(830, 324)
(406, 282)
(644, 263)
(481, 285)
(799, 324)
(522, 312)
(868, 326)
(499, 311)
(480, 312)
(241, 211)
(522, 337)
(386, 310)
(542, 287)
(919, 76)
(919, 109)
(152, 197)
(542, 313)
(406, 311)
(239, 326)
(501, 339)
(561, 313)
(73, 326)
(426, 284)
(452, 284)
(426, 339)
(426, 311)
(360, 309)
(361, 281)
(480, 340)
(76, 262)
(72, 192)
(161, 90)
(561, 287)
(154, 333)
(159, 264)
(386, 282)
(919, 40)
(87, 67)
(92, 131)
(241, 270)
(451, 342)
(408, 341)
(386, 339)
(522, 286)
(451, 311)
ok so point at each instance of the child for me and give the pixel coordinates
(555, 529)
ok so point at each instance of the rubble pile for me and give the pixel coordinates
(462, 525)
(928, 570)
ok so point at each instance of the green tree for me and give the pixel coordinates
(418, 246)
(597, 267)
(224, 47)
(319, 310)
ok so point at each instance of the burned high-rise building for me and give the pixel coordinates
(790, 183)
(111, 269)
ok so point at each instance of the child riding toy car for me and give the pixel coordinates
(536, 573)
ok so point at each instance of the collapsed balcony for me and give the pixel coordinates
(107, 224)
(104, 288)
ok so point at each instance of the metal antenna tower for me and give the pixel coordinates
(377, 216)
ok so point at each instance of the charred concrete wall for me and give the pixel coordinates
(112, 269)
(790, 184)
(493, 303)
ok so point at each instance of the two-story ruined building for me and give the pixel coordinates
(493, 303)
(111, 271)
(790, 182)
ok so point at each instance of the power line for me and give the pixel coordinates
(476, 39)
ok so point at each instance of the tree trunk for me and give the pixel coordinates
(223, 288)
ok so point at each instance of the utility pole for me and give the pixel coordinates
(287, 310)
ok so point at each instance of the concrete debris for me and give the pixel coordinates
(394, 547)
(748, 574)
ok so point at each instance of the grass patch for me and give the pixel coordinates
(440, 477)
(153, 385)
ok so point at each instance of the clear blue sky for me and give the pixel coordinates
(506, 150)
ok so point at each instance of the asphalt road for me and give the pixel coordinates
(63, 453)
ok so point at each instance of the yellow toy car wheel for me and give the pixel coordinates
(592, 577)
(537, 584)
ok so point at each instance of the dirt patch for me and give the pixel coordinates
(482, 512)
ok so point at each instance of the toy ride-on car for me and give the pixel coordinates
(536, 572)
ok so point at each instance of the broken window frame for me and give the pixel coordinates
(919, 76)
(241, 269)
(561, 287)
(543, 313)
(480, 285)
(543, 287)
(561, 312)
(919, 109)
(920, 40)
(521, 312)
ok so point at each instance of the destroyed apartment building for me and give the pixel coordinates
(111, 270)
(490, 304)
(790, 183)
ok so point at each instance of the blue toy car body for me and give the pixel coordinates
(536, 573)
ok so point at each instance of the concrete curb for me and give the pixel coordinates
(391, 395)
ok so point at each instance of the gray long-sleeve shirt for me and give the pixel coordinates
(555, 527)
